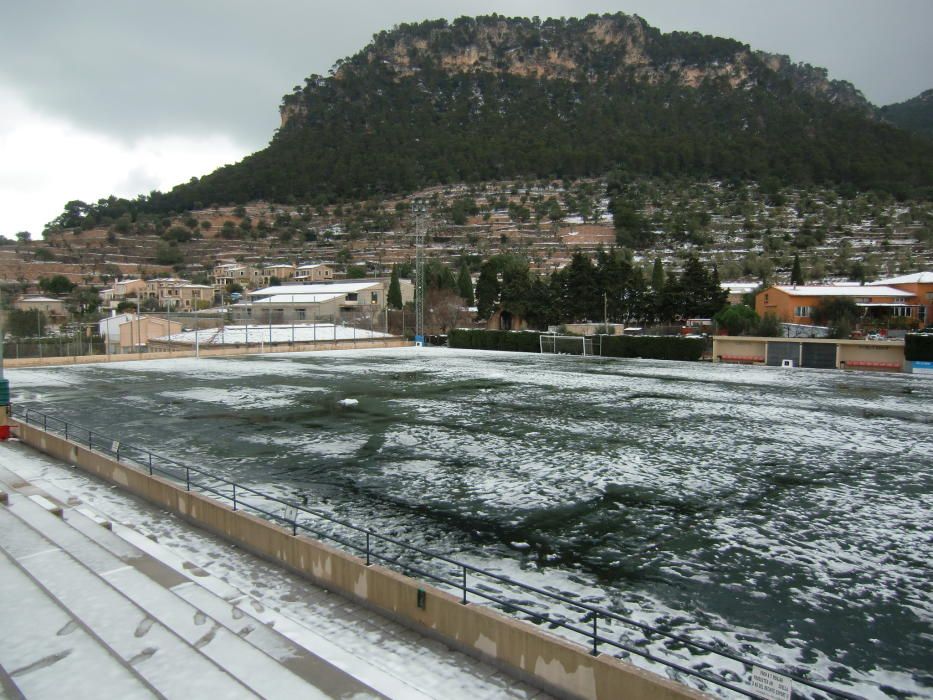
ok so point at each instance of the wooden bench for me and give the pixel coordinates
(870, 364)
(741, 359)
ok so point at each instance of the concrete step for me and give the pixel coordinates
(170, 665)
(238, 613)
(148, 583)
(237, 608)
(41, 644)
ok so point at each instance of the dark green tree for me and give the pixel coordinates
(394, 298)
(796, 274)
(839, 313)
(657, 276)
(737, 319)
(487, 289)
(25, 323)
(465, 285)
(57, 284)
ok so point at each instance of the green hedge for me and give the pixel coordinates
(655, 347)
(649, 347)
(918, 347)
(515, 341)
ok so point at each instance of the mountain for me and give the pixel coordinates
(916, 114)
(493, 97)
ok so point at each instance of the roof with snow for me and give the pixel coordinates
(295, 299)
(915, 278)
(320, 288)
(278, 333)
(855, 290)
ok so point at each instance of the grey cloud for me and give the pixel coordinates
(135, 68)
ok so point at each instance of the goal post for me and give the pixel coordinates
(551, 344)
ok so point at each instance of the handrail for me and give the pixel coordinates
(182, 473)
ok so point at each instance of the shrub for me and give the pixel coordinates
(514, 341)
(654, 347)
(648, 347)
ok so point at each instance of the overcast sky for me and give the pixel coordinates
(121, 97)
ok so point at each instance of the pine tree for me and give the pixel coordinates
(487, 289)
(465, 285)
(395, 291)
(657, 276)
(796, 275)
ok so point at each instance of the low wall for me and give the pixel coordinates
(206, 351)
(549, 662)
(853, 354)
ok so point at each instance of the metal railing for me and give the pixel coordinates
(467, 579)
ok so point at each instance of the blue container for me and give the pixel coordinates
(4, 392)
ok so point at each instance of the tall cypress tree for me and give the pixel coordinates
(465, 285)
(394, 298)
(796, 274)
(657, 276)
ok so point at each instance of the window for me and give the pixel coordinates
(803, 311)
(300, 314)
(374, 297)
(902, 311)
(352, 296)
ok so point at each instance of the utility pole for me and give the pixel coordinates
(418, 209)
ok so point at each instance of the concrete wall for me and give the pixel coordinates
(886, 352)
(547, 661)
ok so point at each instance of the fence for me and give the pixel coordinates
(471, 582)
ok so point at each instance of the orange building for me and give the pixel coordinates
(920, 285)
(877, 302)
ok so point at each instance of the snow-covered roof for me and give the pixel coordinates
(915, 278)
(269, 267)
(319, 288)
(855, 290)
(44, 299)
(299, 333)
(311, 266)
(294, 298)
(739, 286)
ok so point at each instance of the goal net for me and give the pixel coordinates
(566, 345)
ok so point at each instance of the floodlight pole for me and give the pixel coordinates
(418, 209)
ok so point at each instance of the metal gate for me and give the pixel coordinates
(819, 355)
(778, 352)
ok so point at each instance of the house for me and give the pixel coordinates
(920, 286)
(280, 271)
(53, 309)
(317, 272)
(121, 290)
(876, 302)
(325, 300)
(136, 332)
(736, 291)
(176, 294)
(109, 329)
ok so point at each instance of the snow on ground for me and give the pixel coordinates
(781, 513)
(336, 629)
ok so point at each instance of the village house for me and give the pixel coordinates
(316, 272)
(121, 290)
(909, 297)
(291, 303)
(53, 309)
(136, 332)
